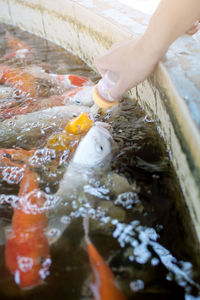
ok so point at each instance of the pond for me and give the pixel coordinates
(64, 225)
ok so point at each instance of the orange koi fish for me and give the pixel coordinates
(27, 252)
(103, 285)
(71, 135)
(18, 78)
(16, 43)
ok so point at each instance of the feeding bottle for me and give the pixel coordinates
(101, 94)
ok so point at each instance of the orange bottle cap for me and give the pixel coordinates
(101, 102)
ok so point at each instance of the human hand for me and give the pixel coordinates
(131, 61)
(194, 28)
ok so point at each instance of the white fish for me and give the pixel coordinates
(38, 123)
(92, 156)
(91, 159)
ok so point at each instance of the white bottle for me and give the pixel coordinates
(105, 84)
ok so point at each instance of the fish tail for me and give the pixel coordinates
(86, 229)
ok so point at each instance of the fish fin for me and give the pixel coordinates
(86, 229)
(55, 229)
(4, 232)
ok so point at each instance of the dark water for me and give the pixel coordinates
(142, 232)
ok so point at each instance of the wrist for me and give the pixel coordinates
(149, 50)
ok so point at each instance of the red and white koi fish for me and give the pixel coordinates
(18, 78)
(65, 81)
(15, 43)
(69, 81)
(25, 80)
(27, 252)
(103, 285)
(79, 96)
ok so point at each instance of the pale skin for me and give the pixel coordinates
(133, 61)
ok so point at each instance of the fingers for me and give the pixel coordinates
(195, 27)
(108, 61)
(117, 91)
(130, 62)
(102, 63)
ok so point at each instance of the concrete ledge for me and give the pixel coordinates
(171, 95)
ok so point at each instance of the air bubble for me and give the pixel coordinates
(127, 199)
(155, 261)
(25, 263)
(13, 175)
(64, 157)
(53, 232)
(65, 220)
(9, 199)
(44, 271)
(147, 119)
(137, 285)
(42, 156)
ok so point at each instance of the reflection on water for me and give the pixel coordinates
(130, 202)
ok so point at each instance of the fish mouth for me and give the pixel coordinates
(104, 125)
(105, 128)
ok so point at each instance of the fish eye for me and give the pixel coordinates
(77, 101)
(99, 148)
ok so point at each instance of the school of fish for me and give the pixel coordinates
(88, 145)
